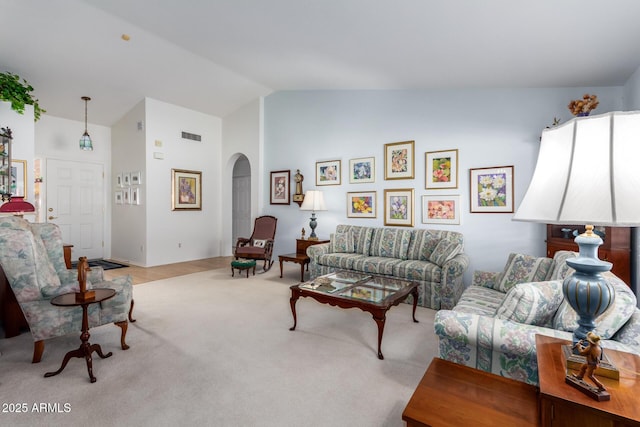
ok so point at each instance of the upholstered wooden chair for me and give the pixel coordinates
(260, 244)
(32, 258)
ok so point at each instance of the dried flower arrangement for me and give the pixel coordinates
(582, 107)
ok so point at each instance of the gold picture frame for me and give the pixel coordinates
(399, 160)
(399, 207)
(186, 190)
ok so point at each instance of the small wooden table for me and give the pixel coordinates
(300, 257)
(563, 405)
(450, 394)
(85, 349)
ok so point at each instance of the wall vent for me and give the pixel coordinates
(191, 136)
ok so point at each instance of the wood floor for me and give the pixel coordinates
(148, 274)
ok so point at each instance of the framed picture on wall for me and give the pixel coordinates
(491, 189)
(361, 205)
(362, 171)
(126, 196)
(119, 197)
(18, 185)
(280, 187)
(126, 179)
(398, 207)
(399, 160)
(441, 210)
(441, 169)
(135, 196)
(136, 178)
(119, 180)
(328, 173)
(186, 190)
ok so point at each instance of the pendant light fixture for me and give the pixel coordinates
(85, 140)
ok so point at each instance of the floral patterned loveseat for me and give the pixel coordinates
(493, 326)
(433, 258)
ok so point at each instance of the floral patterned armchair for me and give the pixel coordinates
(32, 258)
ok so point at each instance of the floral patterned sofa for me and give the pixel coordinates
(433, 258)
(31, 255)
(493, 326)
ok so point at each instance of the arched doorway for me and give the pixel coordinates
(241, 200)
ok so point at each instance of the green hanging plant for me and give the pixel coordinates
(18, 93)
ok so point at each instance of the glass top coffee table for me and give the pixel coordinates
(349, 289)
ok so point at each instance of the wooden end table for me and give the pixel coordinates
(85, 349)
(563, 405)
(455, 395)
(300, 257)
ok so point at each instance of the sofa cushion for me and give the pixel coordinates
(444, 251)
(423, 271)
(532, 303)
(339, 260)
(479, 300)
(343, 243)
(361, 237)
(522, 268)
(560, 268)
(375, 265)
(609, 322)
(390, 243)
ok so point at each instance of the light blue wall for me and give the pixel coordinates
(488, 127)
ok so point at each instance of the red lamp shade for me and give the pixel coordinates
(17, 206)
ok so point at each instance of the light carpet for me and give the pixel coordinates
(214, 350)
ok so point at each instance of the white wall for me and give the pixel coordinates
(129, 236)
(242, 133)
(175, 236)
(488, 127)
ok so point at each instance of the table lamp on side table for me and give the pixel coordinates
(587, 173)
(313, 201)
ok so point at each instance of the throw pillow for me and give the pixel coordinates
(343, 243)
(532, 303)
(259, 243)
(609, 322)
(444, 251)
(523, 268)
(560, 268)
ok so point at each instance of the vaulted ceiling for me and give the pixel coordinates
(214, 56)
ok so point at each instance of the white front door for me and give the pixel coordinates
(75, 202)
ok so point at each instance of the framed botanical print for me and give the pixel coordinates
(361, 205)
(328, 173)
(362, 170)
(398, 207)
(399, 160)
(119, 196)
(119, 180)
(441, 169)
(441, 209)
(491, 189)
(186, 190)
(280, 187)
(126, 179)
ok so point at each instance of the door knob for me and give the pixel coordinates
(50, 209)
(53, 217)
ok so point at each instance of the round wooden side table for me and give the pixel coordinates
(85, 349)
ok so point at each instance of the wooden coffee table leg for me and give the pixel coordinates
(414, 293)
(281, 267)
(294, 298)
(302, 271)
(380, 319)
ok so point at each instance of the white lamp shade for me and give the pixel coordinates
(313, 201)
(587, 172)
